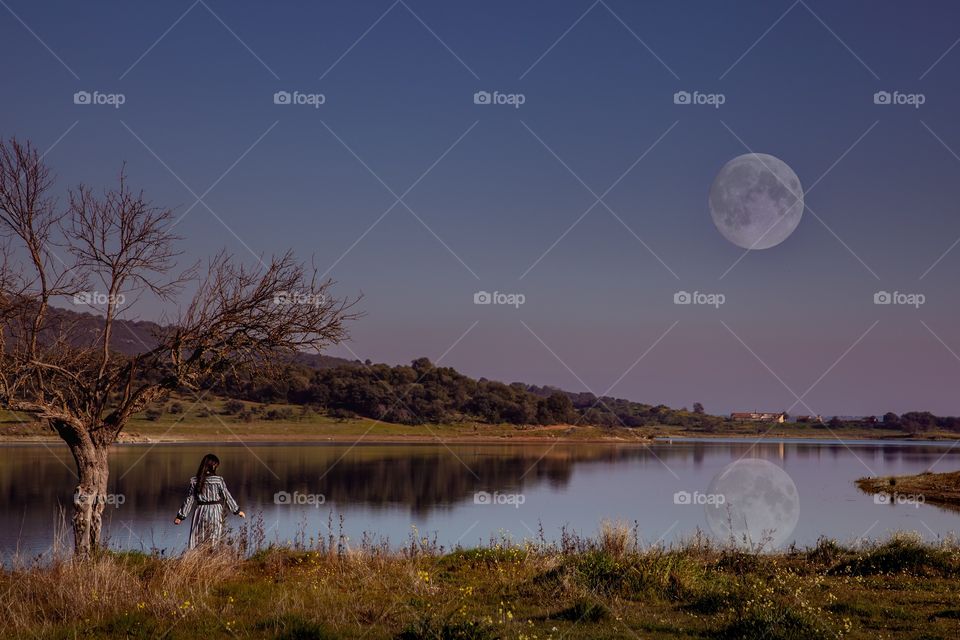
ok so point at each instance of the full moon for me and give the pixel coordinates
(756, 201)
(760, 506)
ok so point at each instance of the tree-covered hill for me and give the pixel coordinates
(424, 393)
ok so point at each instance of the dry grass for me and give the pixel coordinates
(603, 587)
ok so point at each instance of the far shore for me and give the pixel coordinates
(190, 420)
(222, 430)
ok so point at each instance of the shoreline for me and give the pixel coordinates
(438, 437)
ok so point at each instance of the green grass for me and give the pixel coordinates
(586, 588)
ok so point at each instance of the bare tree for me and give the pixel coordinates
(73, 379)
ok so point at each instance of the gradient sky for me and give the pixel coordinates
(504, 183)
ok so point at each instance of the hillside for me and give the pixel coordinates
(135, 336)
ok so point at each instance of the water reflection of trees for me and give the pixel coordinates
(421, 478)
(418, 477)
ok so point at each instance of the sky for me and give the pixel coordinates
(580, 190)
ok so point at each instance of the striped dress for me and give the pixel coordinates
(206, 527)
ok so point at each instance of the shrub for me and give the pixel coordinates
(772, 623)
(284, 413)
(233, 407)
(584, 611)
(294, 627)
(901, 554)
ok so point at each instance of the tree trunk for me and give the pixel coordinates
(90, 496)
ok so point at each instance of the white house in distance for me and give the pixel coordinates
(759, 416)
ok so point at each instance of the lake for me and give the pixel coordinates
(386, 489)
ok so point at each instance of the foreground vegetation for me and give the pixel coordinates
(607, 587)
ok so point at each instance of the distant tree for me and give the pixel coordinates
(556, 409)
(890, 418)
(698, 408)
(917, 421)
(422, 365)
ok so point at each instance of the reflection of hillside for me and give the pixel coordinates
(419, 477)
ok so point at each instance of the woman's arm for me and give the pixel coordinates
(187, 504)
(231, 503)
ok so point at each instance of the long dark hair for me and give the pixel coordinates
(208, 467)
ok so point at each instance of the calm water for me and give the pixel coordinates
(387, 489)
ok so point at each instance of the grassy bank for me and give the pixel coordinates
(186, 420)
(936, 488)
(600, 588)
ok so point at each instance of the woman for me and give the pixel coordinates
(209, 492)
